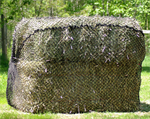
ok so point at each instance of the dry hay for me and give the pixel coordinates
(77, 64)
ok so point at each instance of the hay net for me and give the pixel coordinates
(76, 64)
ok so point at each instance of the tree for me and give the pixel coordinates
(10, 9)
(4, 36)
(4, 33)
(16, 9)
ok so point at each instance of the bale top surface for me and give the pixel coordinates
(34, 24)
(80, 38)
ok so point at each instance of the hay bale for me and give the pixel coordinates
(76, 64)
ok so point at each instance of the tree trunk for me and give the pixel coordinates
(35, 12)
(146, 21)
(107, 8)
(51, 8)
(4, 37)
(10, 36)
(135, 11)
(103, 7)
(39, 11)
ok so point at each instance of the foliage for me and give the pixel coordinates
(139, 9)
(15, 10)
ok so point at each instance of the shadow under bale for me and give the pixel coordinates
(76, 64)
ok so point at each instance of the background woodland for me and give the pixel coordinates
(12, 11)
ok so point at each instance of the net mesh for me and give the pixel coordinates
(76, 64)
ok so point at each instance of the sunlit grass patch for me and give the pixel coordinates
(146, 61)
(3, 82)
(145, 83)
(8, 112)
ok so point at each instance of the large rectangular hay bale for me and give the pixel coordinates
(76, 64)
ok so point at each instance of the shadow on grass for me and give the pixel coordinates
(3, 100)
(2, 95)
(144, 107)
(146, 69)
(4, 64)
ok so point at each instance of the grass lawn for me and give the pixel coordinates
(7, 112)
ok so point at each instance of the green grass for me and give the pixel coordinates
(7, 112)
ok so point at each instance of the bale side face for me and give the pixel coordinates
(78, 85)
(77, 69)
